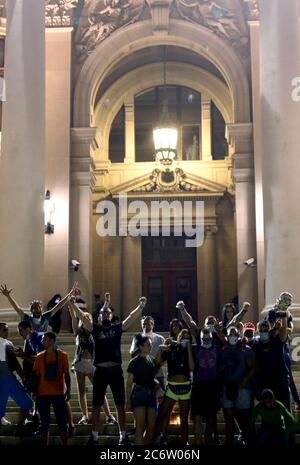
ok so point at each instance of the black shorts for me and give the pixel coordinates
(205, 398)
(113, 377)
(143, 397)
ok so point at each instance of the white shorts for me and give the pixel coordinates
(85, 365)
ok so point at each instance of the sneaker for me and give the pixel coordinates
(163, 441)
(91, 441)
(5, 422)
(111, 420)
(124, 441)
(83, 421)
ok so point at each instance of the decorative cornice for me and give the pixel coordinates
(210, 230)
(59, 13)
(240, 137)
(176, 182)
(243, 175)
(83, 135)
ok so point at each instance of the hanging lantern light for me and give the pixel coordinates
(165, 135)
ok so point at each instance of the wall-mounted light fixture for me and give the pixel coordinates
(48, 210)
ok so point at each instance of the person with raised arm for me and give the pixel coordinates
(179, 357)
(38, 319)
(108, 362)
(84, 367)
(194, 328)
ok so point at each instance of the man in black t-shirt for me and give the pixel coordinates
(272, 372)
(108, 362)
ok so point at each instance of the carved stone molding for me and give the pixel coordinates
(160, 11)
(171, 181)
(219, 16)
(240, 137)
(210, 230)
(102, 17)
(253, 9)
(59, 13)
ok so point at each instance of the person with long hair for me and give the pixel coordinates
(84, 368)
(228, 312)
(178, 355)
(140, 390)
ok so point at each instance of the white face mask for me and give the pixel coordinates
(36, 320)
(233, 340)
(211, 328)
(264, 337)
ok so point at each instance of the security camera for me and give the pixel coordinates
(75, 265)
(250, 262)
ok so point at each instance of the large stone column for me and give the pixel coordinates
(207, 279)
(257, 138)
(57, 160)
(132, 275)
(280, 117)
(22, 186)
(82, 180)
(240, 139)
(206, 153)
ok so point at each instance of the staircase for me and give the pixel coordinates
(110, 434)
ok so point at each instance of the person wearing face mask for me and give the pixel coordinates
(248, 333)
(108, 363)
(38, 319)
(272, 372)
(179, 357)
(236, 368)
(205, 401)
(211, 321)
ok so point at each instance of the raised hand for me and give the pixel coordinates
(107, 297)
(142, 301)
(246, 306)
(180, 305)
(75, 289)
(4, 290)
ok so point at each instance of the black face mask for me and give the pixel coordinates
(106, 323)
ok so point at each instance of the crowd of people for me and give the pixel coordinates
(237, 366)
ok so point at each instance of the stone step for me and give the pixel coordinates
(104, 440)
(108, 430)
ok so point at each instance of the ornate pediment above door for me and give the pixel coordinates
(173, 183)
